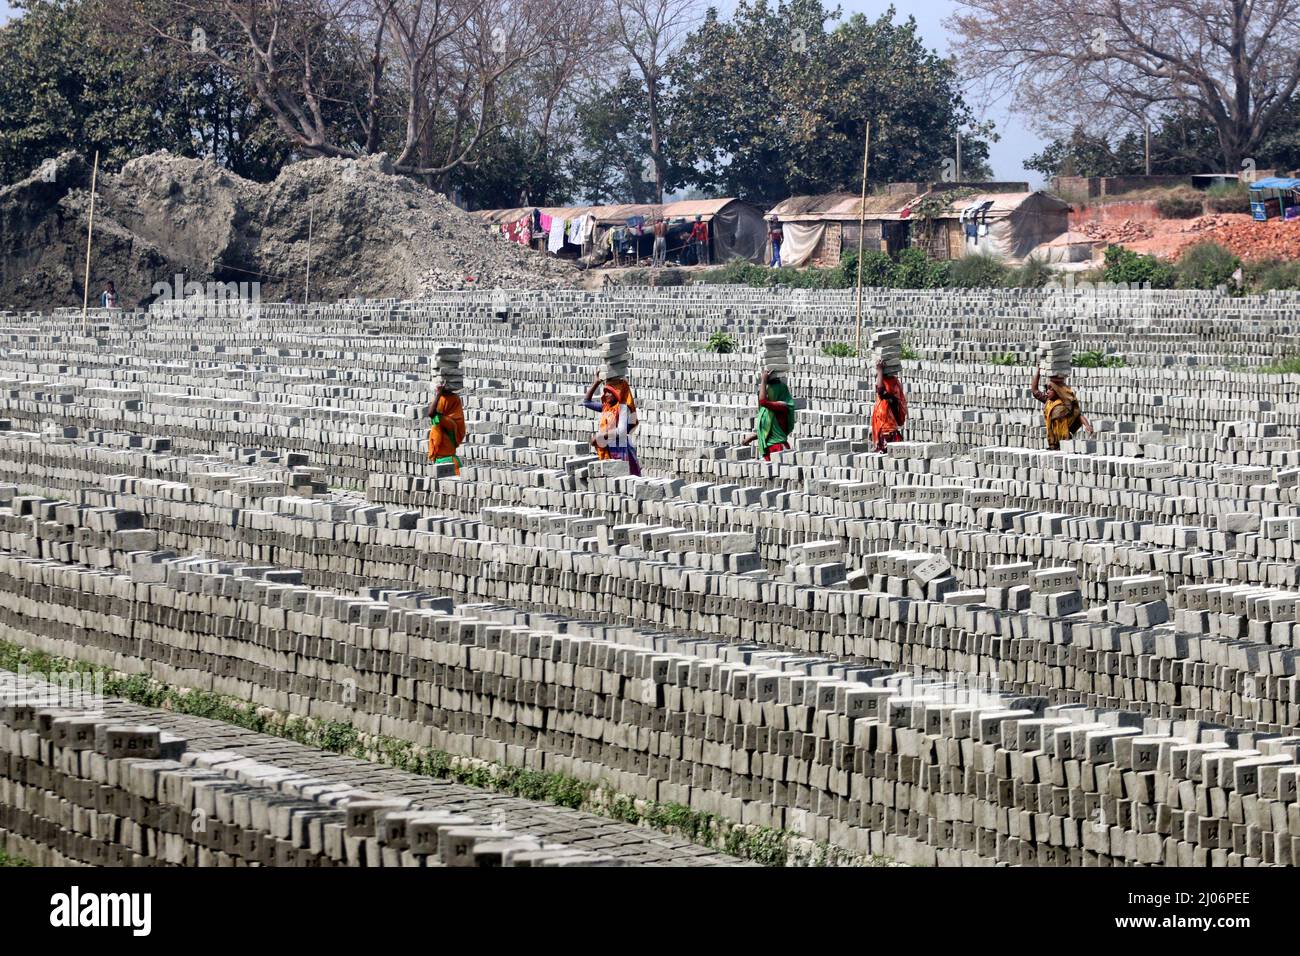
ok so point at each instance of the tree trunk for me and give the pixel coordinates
(656, 150)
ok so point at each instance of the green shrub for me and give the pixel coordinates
(877, 269)
(1125, 265)
(1006, 358)
(1272, 275)
(1228, 197)
(721, 342)
(916, 270)
(1181, 203)
(1206, 265)
(909, 353)
(1096, 359)
(839, 350)
(978, 271)
(1034, 274)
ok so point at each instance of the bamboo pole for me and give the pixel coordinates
(90, 232)
(862, 221)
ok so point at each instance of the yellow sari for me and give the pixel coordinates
(1063, 415)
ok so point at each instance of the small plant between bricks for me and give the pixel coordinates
(909, 354)
(763, 845)
(839, 350)
(1097, 359)
(721, 342)
(1006, 358)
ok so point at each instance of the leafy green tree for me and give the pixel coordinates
(614, 141)
(775, 101)
(517, 169)
(70, 82)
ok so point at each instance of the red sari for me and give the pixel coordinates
(890, 413)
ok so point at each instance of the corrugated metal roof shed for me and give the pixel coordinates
(837, 206)
(616, 214)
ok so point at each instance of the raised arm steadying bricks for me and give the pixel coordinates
(611, 438)
(775, 417)
(890, 412)
(1062, 412)
(446, 427)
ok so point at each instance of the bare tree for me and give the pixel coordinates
(649, 31)
(1095, 63)
(432, 73)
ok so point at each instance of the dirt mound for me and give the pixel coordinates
(1120, 233)
(1254, 241)
(372, 234)
(1165, 238)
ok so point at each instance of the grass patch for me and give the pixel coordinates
(1288, 366)
(764, 845)
(8, 860)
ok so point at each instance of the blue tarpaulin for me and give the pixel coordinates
(1276, 182)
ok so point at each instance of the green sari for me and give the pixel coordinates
(768, 429)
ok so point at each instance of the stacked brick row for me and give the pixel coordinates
(78, 787)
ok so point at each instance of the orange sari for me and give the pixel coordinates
(890, 414)
(623, 389)
(447, 430)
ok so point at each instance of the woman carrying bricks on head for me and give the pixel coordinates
(623, 389)
(611, 438)
(775, 417)
(1061, 409)
(890, 414)
(446, 427)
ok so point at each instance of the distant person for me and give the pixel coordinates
(699, 239)
(890, 413)
(1062, 412)
(611, 440)
(108, 298)
(659, 256)
(774, 237)
(775, 420)
(446, 427)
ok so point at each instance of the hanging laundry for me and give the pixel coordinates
(555, 239)
(544, 221)
(519, 231)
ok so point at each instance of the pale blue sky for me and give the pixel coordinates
(1018, 142)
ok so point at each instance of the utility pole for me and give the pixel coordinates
(90, 232)
(959, 156)
(862, 220)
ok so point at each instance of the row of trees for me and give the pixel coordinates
(1180, 143)
(502, 100)
(630, 99)
(1216, 78)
